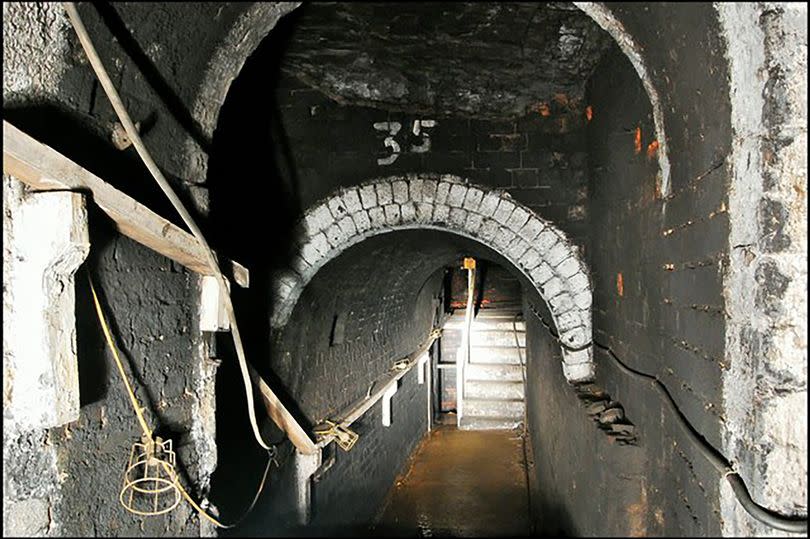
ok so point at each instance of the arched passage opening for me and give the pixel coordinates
(306, 162)
(337, 95)
(532, 246)
(693, 238)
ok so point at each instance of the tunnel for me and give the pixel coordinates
(515, 269)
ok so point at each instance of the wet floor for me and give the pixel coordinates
(461, 484)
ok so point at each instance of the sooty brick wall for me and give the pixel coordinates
(50, 93)
(311, 145)
(149, 303)
(658, 269)
(540, 160)
(383, 293)
(585, 484)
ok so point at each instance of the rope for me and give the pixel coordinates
(148, 432)
(132, 133)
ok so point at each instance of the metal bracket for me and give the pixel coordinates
(386, 404)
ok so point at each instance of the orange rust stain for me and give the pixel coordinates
(544, 109)
(636, 514)
(637, 140)
(659, 516)
(620, 284)
(589, 113)
(652, 149)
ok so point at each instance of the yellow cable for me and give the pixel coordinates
(191, 501)
(138, 411)
(145, 427)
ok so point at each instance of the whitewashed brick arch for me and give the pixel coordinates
(532, 245)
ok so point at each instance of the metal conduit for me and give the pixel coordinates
(715, 458)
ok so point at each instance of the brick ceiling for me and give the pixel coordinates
(491, 60)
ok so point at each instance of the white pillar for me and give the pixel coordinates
(305, 466)
(46, 239)
(213, 316)
(386, 404)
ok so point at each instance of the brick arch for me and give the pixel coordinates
(535, 247)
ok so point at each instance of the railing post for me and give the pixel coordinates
(464, 350)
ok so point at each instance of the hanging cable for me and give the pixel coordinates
(132, 132)
(715, 458)
(525, 434)
(147, 432)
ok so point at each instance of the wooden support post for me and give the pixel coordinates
(282, 417)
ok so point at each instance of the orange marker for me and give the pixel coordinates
(651, 149)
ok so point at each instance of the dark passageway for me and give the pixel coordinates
(475, 269)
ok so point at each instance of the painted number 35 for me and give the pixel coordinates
(392, 128)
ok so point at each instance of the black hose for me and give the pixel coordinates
(715, 458)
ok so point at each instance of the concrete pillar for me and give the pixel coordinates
(305, 466)
(46, 239)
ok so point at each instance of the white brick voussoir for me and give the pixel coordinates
(368, 196)
(442, 191)
(384, 193)
(473, 199)
(408, 212)
(351, 201)
(534, 246)
(456, 195)
(518, 218)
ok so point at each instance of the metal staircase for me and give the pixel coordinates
(493, 378)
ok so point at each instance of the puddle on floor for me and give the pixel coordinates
(461, 484)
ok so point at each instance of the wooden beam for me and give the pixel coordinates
(282, 417)
(45, 169)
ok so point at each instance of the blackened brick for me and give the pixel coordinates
(525, 177)
(496, 160)
(447, 161)
(501, 143)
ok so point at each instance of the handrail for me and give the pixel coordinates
(381, 385)
(463, 355)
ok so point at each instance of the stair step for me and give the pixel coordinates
(497, 338)
(494, 408)
(493, 371)
(486, 324)
(509, 355)
(478, 389)
(498, 313)
(489, 423)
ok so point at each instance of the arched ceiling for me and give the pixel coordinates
(484, 60)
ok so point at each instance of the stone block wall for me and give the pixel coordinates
(65, 480)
